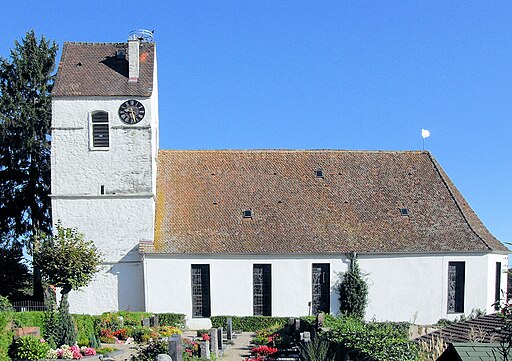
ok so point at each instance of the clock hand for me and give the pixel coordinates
(133, 114)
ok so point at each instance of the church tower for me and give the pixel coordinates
(104, 150)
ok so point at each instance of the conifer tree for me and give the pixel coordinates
(353, 291)
(25, 122)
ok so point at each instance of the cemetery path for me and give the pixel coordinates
(240, 349)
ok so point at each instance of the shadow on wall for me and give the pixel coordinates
(130, 288)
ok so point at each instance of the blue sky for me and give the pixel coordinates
(321, 74)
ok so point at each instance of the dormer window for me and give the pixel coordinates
(247, 213)
(319, 173)
(99, 130)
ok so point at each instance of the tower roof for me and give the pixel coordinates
(93, 69)
(303, 202)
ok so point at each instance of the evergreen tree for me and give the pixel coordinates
(353, 291)
(14, 274)
(25, 122)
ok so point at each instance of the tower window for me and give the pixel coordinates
(100, 130)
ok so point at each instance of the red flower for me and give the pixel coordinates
(264, 350)
(205, 337)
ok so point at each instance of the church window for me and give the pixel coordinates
(99, 130)
(456, 280)
(201, 290)
(262, 290)
(497, 287)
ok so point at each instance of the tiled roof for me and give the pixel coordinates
(201, 196)
(91, 69)
(472, 352)
(480, 329)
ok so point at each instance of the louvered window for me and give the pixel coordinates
(100, 130)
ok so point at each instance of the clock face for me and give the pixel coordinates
(131, 112)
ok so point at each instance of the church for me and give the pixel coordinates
(251, 232)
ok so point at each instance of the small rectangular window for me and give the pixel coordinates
(100, 130)
(319, 173)
(262, 290)
(247, 213)
(456, 281)
(404, 212)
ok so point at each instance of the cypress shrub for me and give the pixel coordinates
(67, 325)
(353, 291)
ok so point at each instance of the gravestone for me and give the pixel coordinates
(229, 329)
(153, 321)
(205, 350)
(305, 336)
(175, 348)
(214, 343)
(163, 357)
(219, 338)
(145, 322)
(320, 320)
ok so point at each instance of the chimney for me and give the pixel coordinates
(133, 60)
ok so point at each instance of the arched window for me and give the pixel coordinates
(100, 131)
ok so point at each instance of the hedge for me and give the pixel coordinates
(5, 335)
(85, 326)
(29, 319)
(172, 319)
(249, 323)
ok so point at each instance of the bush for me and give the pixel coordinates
(29, 319)
(86, 335)
(172, 319)
(353, 291)
(5, 304)
(371, 342)
(150, 352)
(29, 348)
(249, 323)
(5, 335)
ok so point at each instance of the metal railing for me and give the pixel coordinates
(23, 306)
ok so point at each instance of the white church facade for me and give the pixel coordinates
(264, 232)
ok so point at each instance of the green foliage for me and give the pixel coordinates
(67, 260)
(5, 305)
(172, 319)
(51, 324)
(150, 352)
(249, 323)
(28, 348)
(67, 327)
(353, 291)
(86, 333)
(15, 278)
(25, 129)
(315, 350)
(132, 318)
(383, 341)
(104, 350)
(29, 319)
(5, 334)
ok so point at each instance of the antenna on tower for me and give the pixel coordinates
(424, 134)
(146, 36)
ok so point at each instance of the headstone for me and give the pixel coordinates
(214, 343)
(297, 325)
(219, 338)
(205, 350)
(175, 348)
(163, 357)
(229, 330)
(26, 331)
(153, 321)
(305, 336)
(145, 322)
(320, 320)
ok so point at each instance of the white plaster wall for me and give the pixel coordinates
(116, 225)
(401, 288)
(127, 166)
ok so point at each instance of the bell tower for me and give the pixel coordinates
(104, 150)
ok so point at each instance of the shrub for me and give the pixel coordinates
(381, 342)
(29, 348)
(353, 291)
(172, 319)
(264, 350)
(29, 319)
(5, 335)
(150, 352)
(85, 330)
(144, 334)
(249, 323)
(168, 331)
(5, 305)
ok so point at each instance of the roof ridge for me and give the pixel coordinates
(258, 150)
(437, 167)
(94, 43)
